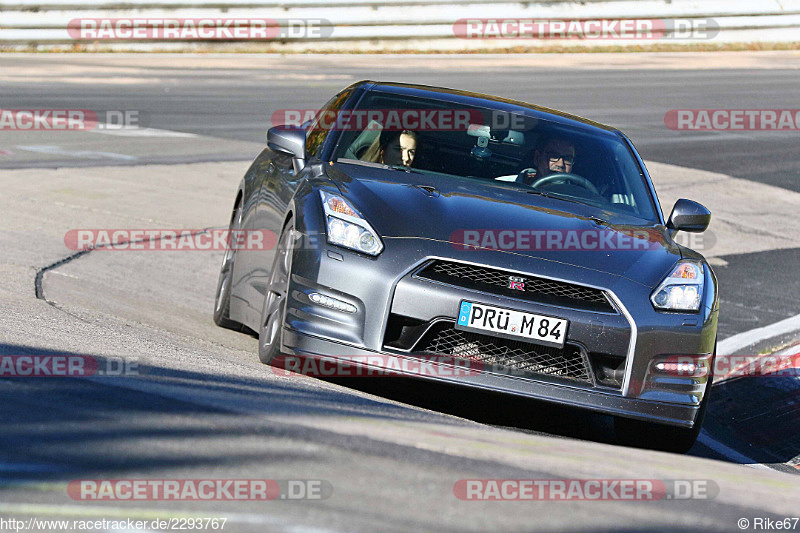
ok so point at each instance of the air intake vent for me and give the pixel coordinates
(506, 356)
(517, 285)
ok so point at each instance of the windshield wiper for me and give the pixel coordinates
(539, 193)
(560, 197)
(384, 166)
(599, 221)
(404, 168)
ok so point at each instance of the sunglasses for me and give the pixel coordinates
(555, 156)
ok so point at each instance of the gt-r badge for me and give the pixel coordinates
(516, 283)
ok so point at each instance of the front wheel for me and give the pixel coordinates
(222, 302)
(274, 310)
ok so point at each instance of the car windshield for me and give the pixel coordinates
(581, 164)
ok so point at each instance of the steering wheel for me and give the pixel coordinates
(566, 177)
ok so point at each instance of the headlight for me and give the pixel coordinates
(682, 290)
(346, 227)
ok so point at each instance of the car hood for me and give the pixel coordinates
(497, 216)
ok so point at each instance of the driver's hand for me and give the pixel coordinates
(526, 176)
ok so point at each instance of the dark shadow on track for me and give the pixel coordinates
(489, 407)
(759, 417)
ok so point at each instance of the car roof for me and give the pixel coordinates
(485, 100)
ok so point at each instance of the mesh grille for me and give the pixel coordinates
(502, 355)
(536, 289)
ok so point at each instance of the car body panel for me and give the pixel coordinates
(390, 204)
(417, 227)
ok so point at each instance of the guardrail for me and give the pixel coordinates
(400, 24)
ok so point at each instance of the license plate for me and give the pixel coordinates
(511, 324)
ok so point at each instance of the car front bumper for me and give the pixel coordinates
(387, 287)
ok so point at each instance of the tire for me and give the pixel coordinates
(222, 301)
(274, 309)
(660, 436)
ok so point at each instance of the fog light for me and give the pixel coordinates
(682, 367)
(333, 303)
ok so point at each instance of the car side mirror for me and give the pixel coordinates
(689, 216)
(289, 140)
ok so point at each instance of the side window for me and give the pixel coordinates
(317, 134)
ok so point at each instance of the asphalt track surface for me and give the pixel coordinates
(202, 406)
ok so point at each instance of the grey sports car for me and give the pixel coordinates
(421, 224)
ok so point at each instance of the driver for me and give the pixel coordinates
(556, 155)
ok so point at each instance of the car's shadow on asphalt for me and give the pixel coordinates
(491, 408)
(726, 423)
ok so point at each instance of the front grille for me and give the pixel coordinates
(531, 288)
(504, 355)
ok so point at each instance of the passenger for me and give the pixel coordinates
(393, 148)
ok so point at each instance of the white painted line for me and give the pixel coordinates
(140, 132)
(731, 345)
(730, 453)
(794, 349)
(87, 154)
(693, 136)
